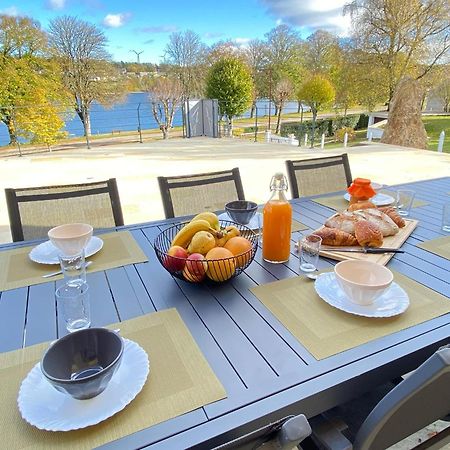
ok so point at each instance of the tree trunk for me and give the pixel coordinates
(87, 118)
(252, 111)
(345, 111)
(301, 115)
(276, 110)
(314, 116)
(7, 120)
(299, 107)
(277, 129)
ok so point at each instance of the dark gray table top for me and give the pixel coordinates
(266, 372)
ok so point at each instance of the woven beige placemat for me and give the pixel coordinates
(439, 246)
(325, 331)
(119, 249)
(336, 202)
(180, 380)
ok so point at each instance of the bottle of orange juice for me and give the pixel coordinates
(277, 221)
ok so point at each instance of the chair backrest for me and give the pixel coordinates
(417, 401)
(318, 175)
(284, 434)
(190, 194)
(33, 211)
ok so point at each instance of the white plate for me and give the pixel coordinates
(393, 302)
(41, 405)
(378, 200)
(47, 253)
(253, 224)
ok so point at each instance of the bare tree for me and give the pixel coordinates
(80, 48)
(321, 52)
(282, 92)
(407, 36)
(185, 53)
(165, 96)
(443, 93)
(255, 54)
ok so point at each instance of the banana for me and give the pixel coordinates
(184, 236)
(209, 217)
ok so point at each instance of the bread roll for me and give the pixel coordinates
(334, 236)
(368, 234)
(361, 205)
(380, 219)
(393, 214)
(344, 221)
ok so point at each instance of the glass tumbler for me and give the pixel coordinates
(73, 301)
(405, 198)
(73, 268)
(309, 249)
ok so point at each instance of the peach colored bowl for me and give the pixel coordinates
(363, 281)
(71, 238)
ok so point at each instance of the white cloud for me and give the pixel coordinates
(311, 14)
(56, 4)
(115, 20)
(10, 11)
(278, 22)
(241, 41)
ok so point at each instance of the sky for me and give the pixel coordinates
(145, 26)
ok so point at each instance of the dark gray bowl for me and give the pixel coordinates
(241, 211)
(82, 363)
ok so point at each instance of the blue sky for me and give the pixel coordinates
(146, 25)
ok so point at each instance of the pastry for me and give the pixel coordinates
(334, 236)
(380, 219)
(368, 234)
(393, 214)
(344, 221)
(361, 205)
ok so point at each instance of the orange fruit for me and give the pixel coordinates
(239, 245)
(224, 265)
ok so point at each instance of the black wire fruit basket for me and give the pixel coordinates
(204, 270)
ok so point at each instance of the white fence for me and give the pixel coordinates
(290, 140)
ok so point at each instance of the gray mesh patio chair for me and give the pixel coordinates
(186, 195)
(284, 434)
(33, 211)
(319, 175)
(417, 401)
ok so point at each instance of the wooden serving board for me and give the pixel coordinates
(395, 241)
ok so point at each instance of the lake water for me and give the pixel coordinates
(124, 117)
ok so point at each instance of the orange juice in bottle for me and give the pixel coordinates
(277, 221)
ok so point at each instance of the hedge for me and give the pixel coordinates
(327, 126)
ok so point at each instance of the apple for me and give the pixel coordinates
(195, 268)
(175, 259)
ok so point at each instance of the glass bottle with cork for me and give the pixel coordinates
(277, 222)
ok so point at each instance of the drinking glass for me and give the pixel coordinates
(446, 217)
(405, 198)
(309, 248)
(73, 301)
(73, 268)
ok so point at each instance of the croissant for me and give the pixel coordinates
(361, 205)
(334, 236)
(368, 234)
(393, 214)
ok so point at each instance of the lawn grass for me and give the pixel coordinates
(434, 125)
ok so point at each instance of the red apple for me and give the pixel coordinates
(175, 258)
(195, 268)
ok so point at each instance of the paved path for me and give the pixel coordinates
(136, 167)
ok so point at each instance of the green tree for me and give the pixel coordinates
(29, 79)
(87, 71)
(316, 92)
(408, 37)
(230, 82)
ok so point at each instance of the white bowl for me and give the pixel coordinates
(363, 281)
(71, 238)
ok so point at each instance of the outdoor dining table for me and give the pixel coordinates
(266, 372)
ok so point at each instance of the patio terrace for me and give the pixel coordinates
(136, 167)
